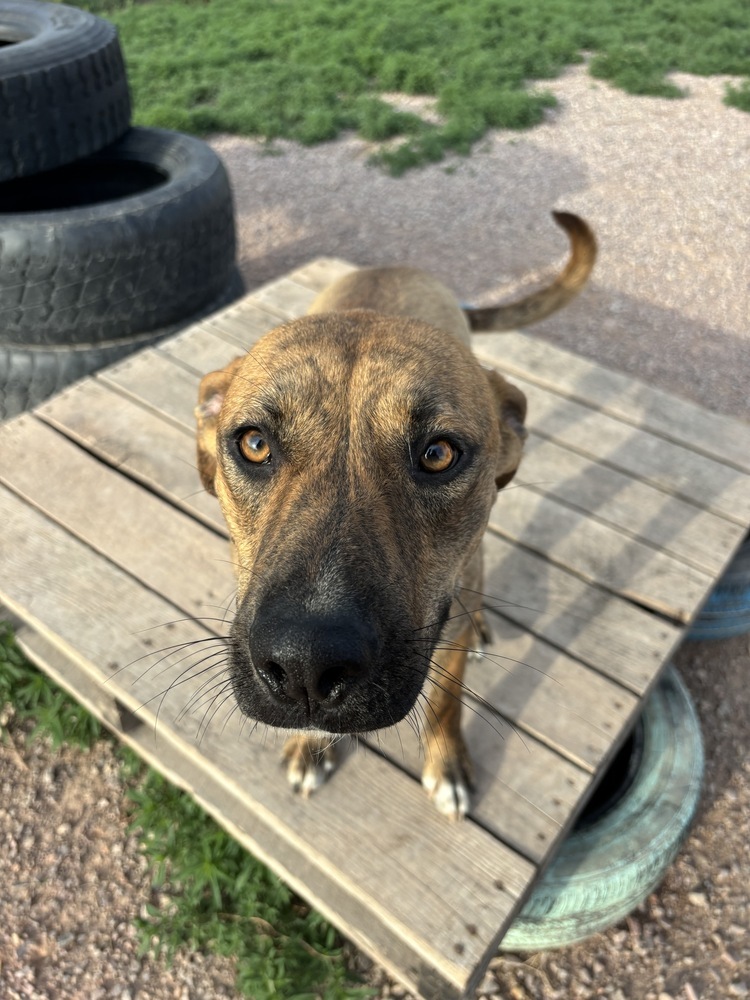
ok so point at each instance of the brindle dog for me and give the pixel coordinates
(356, 454)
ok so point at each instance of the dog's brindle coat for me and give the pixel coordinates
(356, 454)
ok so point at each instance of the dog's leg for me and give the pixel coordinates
(447, 772)
(310, 758)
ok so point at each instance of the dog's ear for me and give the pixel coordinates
(211, 394)
(510, 404)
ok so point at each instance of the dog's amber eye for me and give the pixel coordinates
(438, 456)
(254, 446)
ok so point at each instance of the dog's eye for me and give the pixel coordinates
(439, 456)
(254, 446)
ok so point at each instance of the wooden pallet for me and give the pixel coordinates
(630, 505)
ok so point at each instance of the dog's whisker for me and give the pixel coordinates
(161, 697)
(472, 618)
(505, 603)
(174, 621)
(212, 710)
(234, 708)
(466, 690)
(205, 689)
(169, 661)
(167, 652)
(193, 671)
(496, 658)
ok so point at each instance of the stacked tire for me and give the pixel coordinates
(111, 237)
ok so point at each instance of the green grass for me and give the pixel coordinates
(309, 69)
(217, 897)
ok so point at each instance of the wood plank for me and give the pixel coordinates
(622, 396)
(164, 548)
(670, 467)
(284, 297)
(203, 352)
(600, 553)
(524, 793)
(697, 537)
(396, 871)
(524, 679)
(616, 638)
(548, 694)
(322, 272)
(132, 438)
(159, 381)
(246, 326)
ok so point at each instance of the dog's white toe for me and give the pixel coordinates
(309, 764)
(451, 796)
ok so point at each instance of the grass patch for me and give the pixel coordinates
(309, 69)
(217, 898)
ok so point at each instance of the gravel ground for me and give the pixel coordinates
(664, 185)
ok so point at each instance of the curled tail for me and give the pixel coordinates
(547, 300)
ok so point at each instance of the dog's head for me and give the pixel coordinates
(355, 458)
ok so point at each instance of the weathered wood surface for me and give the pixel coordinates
(628, 399)
(627, 507)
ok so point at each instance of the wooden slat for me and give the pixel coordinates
(670, 467)
(622, 396)
(397, 870)
(321, 273)
(128, 436)
(697, 537)
(548, 694)
(284, 297)
(532, 684)
(600, 553)
(165, 549)
(205, 350)
(160, 382)
(524, 793)
(616, 638)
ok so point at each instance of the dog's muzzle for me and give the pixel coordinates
(326, 670)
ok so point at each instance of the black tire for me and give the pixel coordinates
(29, 376)
(620, 849)
(134, 238)
(63, 87)
(726, 613)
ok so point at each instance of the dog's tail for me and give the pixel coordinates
(565, 287)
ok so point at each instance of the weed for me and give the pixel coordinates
(28, 695)
(214, 896)
(310, 69)
(739, 97)
(219, 898)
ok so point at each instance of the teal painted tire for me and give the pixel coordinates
(620, 850)
(727, 611)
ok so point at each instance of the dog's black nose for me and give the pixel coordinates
(313, 660)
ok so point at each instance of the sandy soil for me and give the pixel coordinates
(664, 184)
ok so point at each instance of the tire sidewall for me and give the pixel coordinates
(124, 266)
(603, 871)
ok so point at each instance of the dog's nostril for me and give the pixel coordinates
(333, 682)
(274, 676)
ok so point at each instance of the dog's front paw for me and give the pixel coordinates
(309, 760)
(449, 784)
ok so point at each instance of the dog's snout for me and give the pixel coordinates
(311, 661)
(305, 679)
